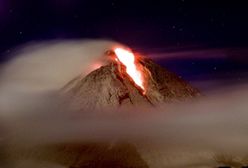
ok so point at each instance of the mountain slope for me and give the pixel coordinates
(109, 86)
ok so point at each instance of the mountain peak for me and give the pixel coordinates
(110, 86)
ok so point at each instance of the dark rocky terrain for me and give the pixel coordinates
(110, 86)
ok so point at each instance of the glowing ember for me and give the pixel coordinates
(127, 58)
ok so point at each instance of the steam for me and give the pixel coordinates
(32, 112)
(50, 65)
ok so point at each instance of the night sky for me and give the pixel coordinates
(152, 27)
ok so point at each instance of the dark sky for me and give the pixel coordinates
(145, 25)
(140, 23)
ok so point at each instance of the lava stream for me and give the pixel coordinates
(127, 58)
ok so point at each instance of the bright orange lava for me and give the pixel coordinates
(127, 58)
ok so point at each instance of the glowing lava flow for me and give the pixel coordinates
(127, 58)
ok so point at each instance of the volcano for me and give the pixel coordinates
(112, 86)
(126, 80)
